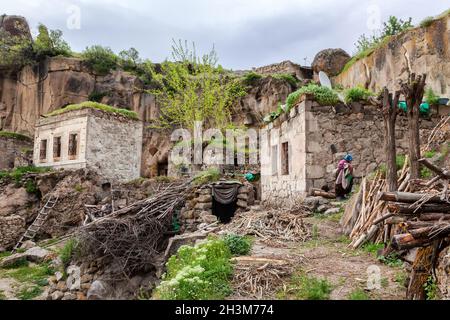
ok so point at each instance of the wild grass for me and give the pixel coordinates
(307, 287)
(358, 294)
(14, 135)
(95, 105)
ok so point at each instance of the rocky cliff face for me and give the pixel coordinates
(420, 50)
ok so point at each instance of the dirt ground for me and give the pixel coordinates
(326, 256)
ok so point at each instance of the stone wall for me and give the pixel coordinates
(109, 144)
(114, 146)
(286, 67)
(318, 137)
(198, 210)
(14, 152)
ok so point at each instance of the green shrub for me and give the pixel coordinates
(101, 59)
(391, 260)
(238, 245)
(358, 294)
(311, 288)
(207, 176)
(50, 43)
(68, 251)
(357, 94)
(201, 272)
(18, 173)
(429, 154)
(251, 78)
(31, 187)
(323, 95)
(95, 105)
(400, 161)
(426, 173)
(14, 135)
(431, 289)
(292, 99)
(373, 248)
(29, 292)
(431, 97)
(289, 78)
(129, 59)
(428, 21)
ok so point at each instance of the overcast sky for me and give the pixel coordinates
(246, 33)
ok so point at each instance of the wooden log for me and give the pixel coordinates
(401, 208)
(395, 220)
(407, 241)
(407, 197)
(444, 174)
(434, 216)
(321, 193)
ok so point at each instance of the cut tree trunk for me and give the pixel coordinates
(401, 208)
(413, 91)
(390, 111)
(407, 197)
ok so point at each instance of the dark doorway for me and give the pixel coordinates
(225, 200)
(163, 168)
(225, 212)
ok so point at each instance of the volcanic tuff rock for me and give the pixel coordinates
(330, 61)
(419, 50)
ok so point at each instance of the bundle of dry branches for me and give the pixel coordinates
(132, 236)
(271, 225)
(256, 281)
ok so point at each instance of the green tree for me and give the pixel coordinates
(50, 43)
(129, 59)
(191, 88)
(391, 27)
(15, 50)
(101, 59)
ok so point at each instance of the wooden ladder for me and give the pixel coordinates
(34, 228)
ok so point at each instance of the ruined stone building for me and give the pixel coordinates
(108, 143)
(300, 150)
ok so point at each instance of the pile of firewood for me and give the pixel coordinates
(132, 237)
(272, 225)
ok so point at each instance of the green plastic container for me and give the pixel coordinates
(424, 107)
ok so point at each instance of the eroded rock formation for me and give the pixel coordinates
(330, 61)
(420, 50)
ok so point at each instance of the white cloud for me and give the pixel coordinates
(246, 33)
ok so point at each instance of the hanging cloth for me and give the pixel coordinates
(225, 193)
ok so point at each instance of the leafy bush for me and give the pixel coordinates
(292, 99)
(250, 78)
(428, 21)
(431, 289)
(18, 173)
(201, 272)
(431, 97)
(237, 244)
(373, 248)
(400, 161)
(292, 80)
(426, 173)
(207, 176)
(50, 43)
(429, 154)
(129, 59)
(14, 135)
(311, 288)
(95, 105)
(67, 252)
(358, 294)
(31, 187)
(323, 95)
(357, 94)
(391, 260)
(101, 59)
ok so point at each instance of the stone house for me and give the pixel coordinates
(300, 150)
(108, 143)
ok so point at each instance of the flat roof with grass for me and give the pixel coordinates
(95, 105)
